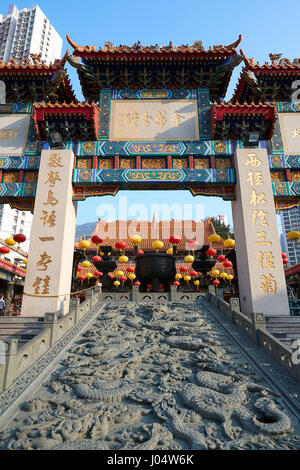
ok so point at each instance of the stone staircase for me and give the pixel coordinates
(21, 328)
(285, 329)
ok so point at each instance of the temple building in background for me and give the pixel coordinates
(28, 31)
(112, 232)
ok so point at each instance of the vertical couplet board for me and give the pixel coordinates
(50, 260)
(262, 282)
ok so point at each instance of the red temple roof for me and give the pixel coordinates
(87, 111)
(280, 74)
(36, 68)
(162, 230)
(196, 49)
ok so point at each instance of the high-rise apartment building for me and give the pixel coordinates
(28, 31)
(290, 220)
(13, 221)
(24, 32)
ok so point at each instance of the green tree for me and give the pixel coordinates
(222, 229)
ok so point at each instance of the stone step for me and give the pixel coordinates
(20, 320)
(287, 318)
(284, 330)
(30, 326)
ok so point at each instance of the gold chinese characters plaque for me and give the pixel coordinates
(154, 120)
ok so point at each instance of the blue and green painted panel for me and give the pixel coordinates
(284, 161)
(215, 176)
(17, 189)
(109, 148)
(16, 108)
(20, 163)
(285, 189)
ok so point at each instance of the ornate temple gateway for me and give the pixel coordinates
(153, 118)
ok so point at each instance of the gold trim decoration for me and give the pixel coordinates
(180, 163)
(224, 163)
(277, 176)
(10, 176)
(84, 163)
(295, 176)
(127, 163)
(31, 176)
(148, 163)
(106, 163)
(200, 163)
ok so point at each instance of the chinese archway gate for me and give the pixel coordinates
(154, 118)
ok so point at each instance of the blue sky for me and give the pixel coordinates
(267, 26)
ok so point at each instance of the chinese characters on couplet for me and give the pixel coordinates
(296, 133)
(264, 257)
(146, 119)
(47, 217)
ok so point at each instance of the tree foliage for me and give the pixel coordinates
(222, 229)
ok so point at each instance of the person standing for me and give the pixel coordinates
(2, 306)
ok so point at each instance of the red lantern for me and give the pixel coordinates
(285, 261)
(95, 239)
(19, 238)
(216, 282)
(193, 273)
(4, 250)
(137, 283)
(221, 258)
(79, 268)
(176, 283)
(123, 278)
(174, 240)
(192, 245)
(81, 277)
(283, 255)
(130, 269)
(227, 264)
(140, 252)
(120, 246)
(211, 252)
(149, 286)
(183, 269)
(110, 275)
(96, 259)
(97, 273)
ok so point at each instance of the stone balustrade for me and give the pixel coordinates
(255, 329)
(14, 362)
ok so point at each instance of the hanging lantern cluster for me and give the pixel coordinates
(84, 244)
(157, 245)
(136, 240)
(284, 259)
(97, 241)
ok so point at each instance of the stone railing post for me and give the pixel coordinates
(135, 294)
(50, 321)
(234, 303)
(174, 293)
(220, 293)
(10, 361)
(89, 297)
(259, 323)
(75, 306)
(211, 290)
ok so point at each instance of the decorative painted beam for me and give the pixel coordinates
(215, 176)
(284, 161)
(284, 189)
(18, 163)
(17, 190)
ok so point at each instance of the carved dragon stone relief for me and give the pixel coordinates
(154, 377)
